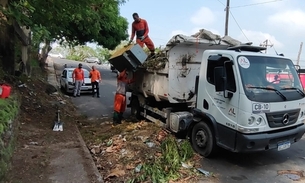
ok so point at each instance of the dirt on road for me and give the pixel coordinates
(37, 144)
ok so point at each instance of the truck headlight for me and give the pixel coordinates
(255, 120)
(259, 120)
(251, 120)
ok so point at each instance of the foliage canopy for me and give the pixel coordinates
(75, 22)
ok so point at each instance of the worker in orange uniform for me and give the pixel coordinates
(78, 79)
(95, 76)
(120, 97)
(140, 29)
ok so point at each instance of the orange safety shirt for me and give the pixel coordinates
(78, 74)
(95, 75)
(139, 28)
(122, 82)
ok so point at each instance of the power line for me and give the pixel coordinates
(221, 2)
(233, 18)
(239, 26)
(254, 4)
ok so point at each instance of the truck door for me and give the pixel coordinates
(222, 97)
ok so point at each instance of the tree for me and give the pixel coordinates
(78, 22)
(7, 46)
(75, 22)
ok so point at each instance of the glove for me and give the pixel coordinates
(142, 38)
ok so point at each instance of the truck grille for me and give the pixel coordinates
(282, 118)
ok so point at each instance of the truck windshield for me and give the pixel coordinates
(269, 79)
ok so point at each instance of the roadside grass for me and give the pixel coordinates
(8, 113)
(34, 63)
(166, 167)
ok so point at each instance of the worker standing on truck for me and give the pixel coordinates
(140, 29)
(95, 76)
(120, 97)
(78, 79)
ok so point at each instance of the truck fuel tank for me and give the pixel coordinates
(179, 121)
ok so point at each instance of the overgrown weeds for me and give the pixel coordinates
(8, 111)
(167, 166)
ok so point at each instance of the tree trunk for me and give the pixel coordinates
(25, 50)
(7, 48)
(44, 54)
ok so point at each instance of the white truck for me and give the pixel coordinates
(215, 91)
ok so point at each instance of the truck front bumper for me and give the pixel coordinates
(268, 140)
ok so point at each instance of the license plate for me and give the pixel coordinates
(283, 146)
(261, 107)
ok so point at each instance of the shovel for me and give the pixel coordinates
(58, 126)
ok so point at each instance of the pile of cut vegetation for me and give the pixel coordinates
(141, 152)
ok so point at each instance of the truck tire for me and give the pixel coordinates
(135, 108)
(203, 140)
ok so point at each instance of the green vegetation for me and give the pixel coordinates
(167, 166)
(8, 112)
(68, 22)
(79, 53)
(34, 63)
(72, 22)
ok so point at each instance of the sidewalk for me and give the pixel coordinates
(74, 163)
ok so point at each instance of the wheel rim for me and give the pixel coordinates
(201, 138)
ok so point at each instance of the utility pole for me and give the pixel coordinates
(227, 17)
(299, 55)
(266, 44)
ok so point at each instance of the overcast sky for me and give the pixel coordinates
(282, 22)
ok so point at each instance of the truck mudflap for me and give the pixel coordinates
(279, 140)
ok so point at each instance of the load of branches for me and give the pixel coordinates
(156, 62)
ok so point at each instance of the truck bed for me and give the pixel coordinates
(171, 75)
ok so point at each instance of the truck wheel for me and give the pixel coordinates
(135, 108)
(202, 139)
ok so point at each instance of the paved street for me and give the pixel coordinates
(94, 107)
(229, 167)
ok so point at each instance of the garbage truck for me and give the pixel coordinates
(217, 92)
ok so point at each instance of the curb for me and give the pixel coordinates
(83, 145)
(88, 156)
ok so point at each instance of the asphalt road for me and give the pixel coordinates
(93, 107)
(265, 167)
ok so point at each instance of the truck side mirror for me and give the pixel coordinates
(221, 82)
(219, 79)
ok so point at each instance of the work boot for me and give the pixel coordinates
(121, 115)
(116, 118)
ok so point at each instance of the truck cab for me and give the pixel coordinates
(240, 107)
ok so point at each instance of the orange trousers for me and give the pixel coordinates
(148, 42)
(119, 103)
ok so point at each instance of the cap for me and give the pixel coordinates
(80, 65)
